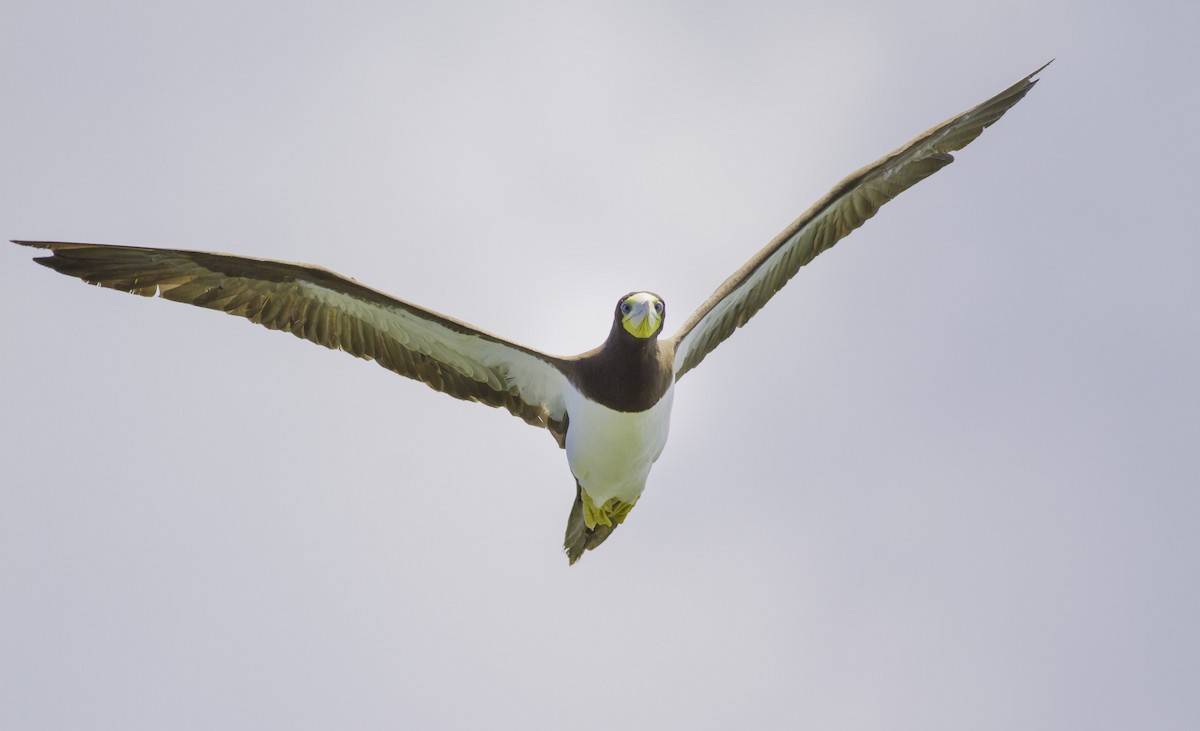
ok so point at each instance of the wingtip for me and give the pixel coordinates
(33, 244)
(1030, 78)
(46, 261)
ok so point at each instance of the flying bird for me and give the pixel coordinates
(609, 408)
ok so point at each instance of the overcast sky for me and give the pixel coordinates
(947, 479)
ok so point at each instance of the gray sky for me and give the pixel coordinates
(947, 479)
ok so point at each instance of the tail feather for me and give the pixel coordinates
(579, 537)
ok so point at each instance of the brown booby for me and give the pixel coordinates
(610, 407)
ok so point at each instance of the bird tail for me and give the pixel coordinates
(579, 537)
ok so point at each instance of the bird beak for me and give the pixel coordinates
(643, 321)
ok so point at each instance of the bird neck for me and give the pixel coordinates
(631, 349)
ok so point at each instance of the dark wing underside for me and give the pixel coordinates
(843, 209)
(337, 312)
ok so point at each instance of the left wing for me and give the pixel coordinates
(337, 312)
(843, 209)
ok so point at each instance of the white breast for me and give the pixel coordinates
(611, 452)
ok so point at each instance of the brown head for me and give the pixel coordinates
(638, 317)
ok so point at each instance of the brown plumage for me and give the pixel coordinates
(851, 202)
(628, 375)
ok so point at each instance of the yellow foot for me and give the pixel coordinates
(611, 514)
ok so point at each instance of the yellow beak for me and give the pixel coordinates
(642, 321)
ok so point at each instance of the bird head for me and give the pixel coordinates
(641, 314)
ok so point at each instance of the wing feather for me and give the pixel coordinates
(337, 312)
(851, 202)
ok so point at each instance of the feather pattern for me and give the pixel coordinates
(335, 311)
(851, 202)
(614, 401)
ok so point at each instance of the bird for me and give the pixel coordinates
(608, 408)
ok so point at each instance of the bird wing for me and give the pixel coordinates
(843, 209)
(335, 311)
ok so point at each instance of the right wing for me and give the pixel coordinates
(843, 209)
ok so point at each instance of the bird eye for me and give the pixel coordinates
(626, 308)
(658, 307)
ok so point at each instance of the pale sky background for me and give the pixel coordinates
(946, 480)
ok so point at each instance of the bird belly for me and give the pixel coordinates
(610, 452)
